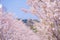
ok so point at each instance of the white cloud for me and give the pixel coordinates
(0, 5)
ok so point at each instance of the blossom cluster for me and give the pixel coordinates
(48, 12)
(14, 29)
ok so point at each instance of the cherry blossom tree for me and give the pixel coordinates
(48, 12)
(13, 29)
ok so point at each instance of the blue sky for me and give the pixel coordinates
(15, 6)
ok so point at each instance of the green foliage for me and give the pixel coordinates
(34, 28)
